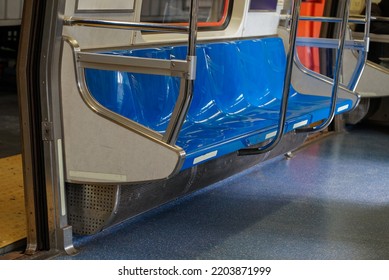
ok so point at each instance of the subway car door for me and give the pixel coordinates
(68, 136)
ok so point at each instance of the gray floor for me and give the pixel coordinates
(331, 201)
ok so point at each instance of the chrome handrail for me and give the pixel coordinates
(286, 88)
(186, 93)
(328, 43)
(362, 45)
(338, 64)
(186, 69)
(373, 18)
(336, 83)
(357, 20)
(126, 25)
(344, 20)
(354, 80)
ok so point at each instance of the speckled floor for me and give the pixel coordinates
(331, 201)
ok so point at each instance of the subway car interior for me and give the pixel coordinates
(194, 129)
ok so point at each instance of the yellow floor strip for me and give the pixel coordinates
(12, 210)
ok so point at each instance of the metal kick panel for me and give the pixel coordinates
(90, 207)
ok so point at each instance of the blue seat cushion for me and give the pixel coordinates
(236, 99)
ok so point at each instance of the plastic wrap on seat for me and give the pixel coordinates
(236, 98)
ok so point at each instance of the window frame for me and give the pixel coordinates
(212, 25)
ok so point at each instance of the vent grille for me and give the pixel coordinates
(90, 207)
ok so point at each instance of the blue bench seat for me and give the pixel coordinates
(236, 100)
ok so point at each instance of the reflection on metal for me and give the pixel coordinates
(361, 46)
(362, 58)
(331, 43)
(356, 20)
(104, 206)
(114, 24)
(300, 70)
(185, 69)
(338, 64)
(178, 68)
(26, 122)
(186, 92)
(286, 89)
(93, 104)
(59, 233)
(339, 44)
(98, 203)
(379, 38)
(374, 81)
(374, 18)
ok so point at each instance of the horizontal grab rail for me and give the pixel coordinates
(357, 20)
(379, 38)
(185, 69)
(374, 18)
(126, 25)
(330, 43)
(354, 19)
(174, 67)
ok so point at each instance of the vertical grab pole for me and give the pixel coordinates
(336, 83)
(187, 83)
(286, 88)
(363, 54)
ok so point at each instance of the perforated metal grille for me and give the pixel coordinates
(90, 207)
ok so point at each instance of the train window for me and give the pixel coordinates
(212, 13)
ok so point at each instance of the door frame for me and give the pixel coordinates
(38, 73)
